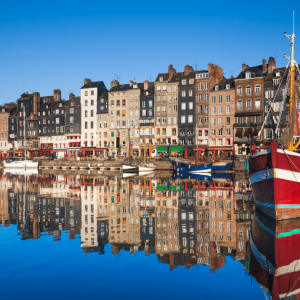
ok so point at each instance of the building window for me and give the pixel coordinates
(182, 119)
(183, 106)
(248, 90)
(257, 103)
(248, 104)
(71, 120)
(220, 131)
(239, 91)
(216, 88)
(220, 99)
(190, 119)
(206, 109)
(220, 110)
(248, 75)
(200, 97)
(200, 86)
(213, 132)
(86, 93)
(239, 105)
(183, 93)
(190, 93)
(227, 109)
(213, 110)
(85, 125)
(228, 121)
(190, 105)
(257, 89)
(57, 121)
(213, 99)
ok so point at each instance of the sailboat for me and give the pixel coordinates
(275, 172)
(15, 165)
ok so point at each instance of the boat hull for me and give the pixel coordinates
(194, 169)
(275, 181)
(221, 166)
(25, 164)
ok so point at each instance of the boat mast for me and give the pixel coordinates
(292, 80)
(24, 133)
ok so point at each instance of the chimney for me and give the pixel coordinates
(232, 76)
(271, 64)
(114, 83)
(36, 102)
(131, 83)
(57, 95)
(71, 96)
(244, 67)
(146, 85)
(172, 71)
(86, 80)
(188, 69)
(215, 74)
(264, 63)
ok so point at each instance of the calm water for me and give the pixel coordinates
(79, 237)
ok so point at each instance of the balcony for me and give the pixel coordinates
(247, 124)
(147, 124)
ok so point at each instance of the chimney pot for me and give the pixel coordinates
(171, 71)
(57, 95)
(71, 96)
(188, 69)
(264, 63)
(244, 67)
(87, 80)
(146, 85)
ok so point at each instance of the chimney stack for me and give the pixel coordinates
(188, 69)
(232, 76)
(57, 95)
(271, 64)
(87, 80)
(71, 96)
(172, 71)
(114, 83)
(244, 67)
(131, 83)
(36, 102)
(264, 63)
(146, 85)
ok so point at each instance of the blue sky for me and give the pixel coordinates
(47, 45)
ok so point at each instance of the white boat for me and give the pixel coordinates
(128, 168)
(128, 175)
(145, 169)
(20, 164)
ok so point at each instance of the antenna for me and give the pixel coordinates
(293, 21)
(118, 77)
(196, 66)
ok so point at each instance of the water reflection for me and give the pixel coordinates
(183, 221)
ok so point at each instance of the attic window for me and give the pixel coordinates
(205, 75)
(216, 88)
(191, 81)
(3, 110)
(135, 86)
(227, 86)
(60, 104)
(298, 77)
(248, 75)
(161, 79)
(72, 103)
(46, 106)
(198, 76)
(147, 93)
(184, 81)
(276, 81)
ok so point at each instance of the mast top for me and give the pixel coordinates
(292, 38)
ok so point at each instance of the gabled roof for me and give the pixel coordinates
(165, 77)
(103, 95)
(176, 77)
(222, 84)
(256, 71)
(92, 84)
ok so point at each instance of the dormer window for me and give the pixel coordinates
(161, 79)
(46, 106)
(277, 74)
(276, 81)
(198, 76)
(135, 86)
(191, 81)
(248, 75)
(72, 103)
(227, 86)
(60, 104)
(184, 82)
(147, 93)
(3, 110)
(205, 75)
(216, 88)
(298, 77)
(44, 113)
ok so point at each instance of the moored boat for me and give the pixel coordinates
(194, 169)
(275, 172)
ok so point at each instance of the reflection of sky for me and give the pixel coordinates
(44, 269)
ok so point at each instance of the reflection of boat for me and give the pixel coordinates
(147, 168)
(275, 173)
(21, 171)
(275, 259)
(202, 176)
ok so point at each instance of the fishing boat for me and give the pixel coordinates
(274, 173)
(274, 258)
(128, 168)
(221, 166)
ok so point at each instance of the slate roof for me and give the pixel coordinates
(124, 87)
(92, 84)
(75, 100)
(165, 77)
(269, 77)
(176, 77)
(222, 84)
(256, 71)
(103, 95)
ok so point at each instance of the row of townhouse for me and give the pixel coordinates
(200, 111)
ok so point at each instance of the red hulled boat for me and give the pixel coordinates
(275, 173)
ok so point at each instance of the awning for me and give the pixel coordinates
(59, 150)
(200, 148)
(69, 144)
(176, 148)
(162, 149)
(86, 149)
(85, 142)
(239, 132)
(78, 143)
(220, 148)
(101, 149)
